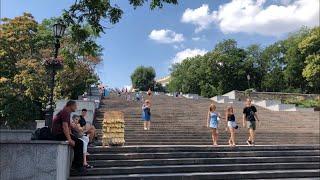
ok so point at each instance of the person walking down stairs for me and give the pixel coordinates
(146, 114)
(231, 125)
(213, 122)
(250, 115)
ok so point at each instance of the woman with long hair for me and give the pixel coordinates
(231, 125)
(213, 122)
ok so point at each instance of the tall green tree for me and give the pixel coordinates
(143, 78)
(310, 48)
(289, 65)
(24, 44)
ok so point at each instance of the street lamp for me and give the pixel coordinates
(248, 78)
(52, 65)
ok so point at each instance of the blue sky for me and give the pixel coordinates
(158, 38)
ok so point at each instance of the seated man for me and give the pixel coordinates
(61, 130)
(88, 128)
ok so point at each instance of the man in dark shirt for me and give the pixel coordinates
(62, 131)
(250, 116)
(89, 129)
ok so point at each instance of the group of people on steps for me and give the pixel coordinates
(249, 119)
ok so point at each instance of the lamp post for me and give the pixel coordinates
(52, 65)
(248, 78)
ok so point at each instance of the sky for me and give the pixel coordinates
(159, 38)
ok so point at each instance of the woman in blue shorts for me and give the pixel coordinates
(146, 115)
(213, 122)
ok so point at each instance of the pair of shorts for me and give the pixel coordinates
(232, 124)
(251, 125)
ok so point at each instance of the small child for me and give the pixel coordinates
(146, 115)
(213, 122)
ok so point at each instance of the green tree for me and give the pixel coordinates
(310, 48)
(159, 88)
(294, 60)
(94, 12)
(24, 44)
(273, 56)
(143, 78)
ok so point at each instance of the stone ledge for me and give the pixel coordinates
(37, 160)
(34, 142)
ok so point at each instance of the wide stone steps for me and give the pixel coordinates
(127, 156)
(293, 173)
(187, 161)
(201, 168)
(203, 162)
(178, 146)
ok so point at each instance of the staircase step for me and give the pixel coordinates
(125, 156)
(293, 173)
(188, 161)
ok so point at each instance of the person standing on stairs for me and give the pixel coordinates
(250, 116)
(149, 93)
(213, 122)
(146, 115)
(231, 125)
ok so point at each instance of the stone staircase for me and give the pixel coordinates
(178, 146)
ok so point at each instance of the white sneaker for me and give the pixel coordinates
(145, 129)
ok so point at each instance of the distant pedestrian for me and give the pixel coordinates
(231, 125)
(146, 115)
(250, 116)
(149, 93)
(213, 122)
(137, 96)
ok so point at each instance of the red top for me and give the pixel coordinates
(62, 116)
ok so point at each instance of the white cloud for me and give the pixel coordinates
(166, 36)
(251, 16)
(201, 17)
(188, 53)
(196, 38)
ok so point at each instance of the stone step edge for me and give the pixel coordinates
(234, 174)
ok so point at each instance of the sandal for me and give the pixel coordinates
(88, 166)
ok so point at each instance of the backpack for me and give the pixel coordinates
(43, 133)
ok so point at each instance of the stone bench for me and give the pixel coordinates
(22, 158)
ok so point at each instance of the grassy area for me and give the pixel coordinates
(306, 103)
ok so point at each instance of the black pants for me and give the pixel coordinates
(78, 149)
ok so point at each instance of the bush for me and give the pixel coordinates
(305, 103)
(247, 92)
(18, 112)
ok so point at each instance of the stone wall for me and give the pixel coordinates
(14, 135)
(274, 95)
(36, 160)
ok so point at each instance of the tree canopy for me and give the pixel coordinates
(24, 45)
(290, 65)
(143, 78)
(99, 12)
